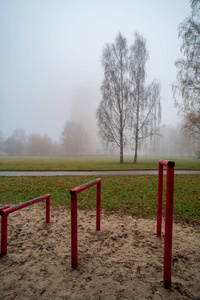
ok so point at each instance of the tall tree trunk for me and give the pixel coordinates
(136, 148)
(121, 155)
(121, 143)
(121, 105)
(136, 130)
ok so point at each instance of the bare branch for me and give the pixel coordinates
(188, 71)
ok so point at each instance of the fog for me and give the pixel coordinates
(51, 58)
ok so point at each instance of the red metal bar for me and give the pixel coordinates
(168, 217)
(74, 231)
(85, 186)
(168, 228)
(167, 163)
(74, 235)
(160, 198)
(48, 210)
(4, 221)
(24, 204)
(98, 206)
(6, 211)
(4, 207)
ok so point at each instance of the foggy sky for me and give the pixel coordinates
(50, 52)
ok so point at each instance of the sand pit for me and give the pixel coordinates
(122, 261)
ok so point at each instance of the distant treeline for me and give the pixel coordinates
(75, 140)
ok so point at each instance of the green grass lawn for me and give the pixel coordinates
(90, 163)
(136, 195)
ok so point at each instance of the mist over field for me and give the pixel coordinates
(51, 72)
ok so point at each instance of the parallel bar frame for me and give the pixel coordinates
(74, 214)
(6, 211)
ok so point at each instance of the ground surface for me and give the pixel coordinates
(122, 261)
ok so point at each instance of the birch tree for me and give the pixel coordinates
(112, 113)
(130, 110)
(187, 89)
(144, 99)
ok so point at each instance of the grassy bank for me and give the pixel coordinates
(90, 163)
(136, 195)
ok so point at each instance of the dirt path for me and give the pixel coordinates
(122, 261)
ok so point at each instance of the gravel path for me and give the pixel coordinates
(78, 173)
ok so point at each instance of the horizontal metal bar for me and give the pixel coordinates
(4, 207)
(24, 204)
(167, 163)
(85, 186)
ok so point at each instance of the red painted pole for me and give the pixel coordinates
(85, 186)
(98, 206)
(4, 207)
(48, 210)
(4, 222)
(74, 235)
(168, 228)
(24, 204)
(160, 200)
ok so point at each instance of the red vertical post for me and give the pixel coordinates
(98, 206)
(168, 227)
(74, 236)
(4, 222)
(48, 210)
(160, 200)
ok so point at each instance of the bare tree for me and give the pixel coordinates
(38, 145)
(11, 146)
(1, 142)
(188, 74)
(129, 110)
(73, 139)
(112, 113)
(171, 142)
(20, 135)
(144, 100)
(15, 144)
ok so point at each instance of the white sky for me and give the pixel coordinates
(50, 56)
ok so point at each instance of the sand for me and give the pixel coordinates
(122, 261)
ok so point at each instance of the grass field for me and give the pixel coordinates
(136, 195)
(90, 163)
